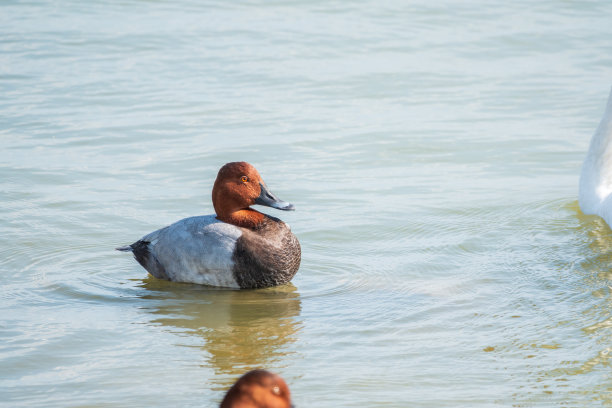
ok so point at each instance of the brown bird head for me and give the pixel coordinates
(258, 389)
(239, 186)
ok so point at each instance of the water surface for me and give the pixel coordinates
(432, 151)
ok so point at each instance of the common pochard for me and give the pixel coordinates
(258, 389)
(238, 247)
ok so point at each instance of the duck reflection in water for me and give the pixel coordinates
(241, 330)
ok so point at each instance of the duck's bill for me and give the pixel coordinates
(270, 200)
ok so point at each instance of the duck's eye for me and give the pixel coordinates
(244, 179)
(276, 390)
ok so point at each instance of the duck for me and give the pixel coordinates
(237, 247)
(595, 186)
(258, 389)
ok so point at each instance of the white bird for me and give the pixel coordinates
(595, 191)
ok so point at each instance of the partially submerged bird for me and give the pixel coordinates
(258, 389)
(595, 191)
(238, 248)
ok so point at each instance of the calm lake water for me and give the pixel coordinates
(432, 150)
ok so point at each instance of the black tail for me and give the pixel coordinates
(144, 257)
(127, 248)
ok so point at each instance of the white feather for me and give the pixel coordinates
(596, 177)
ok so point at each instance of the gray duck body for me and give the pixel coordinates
(207, 251)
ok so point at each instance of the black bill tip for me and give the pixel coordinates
(270, 200)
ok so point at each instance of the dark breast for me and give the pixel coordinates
(268, 255)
